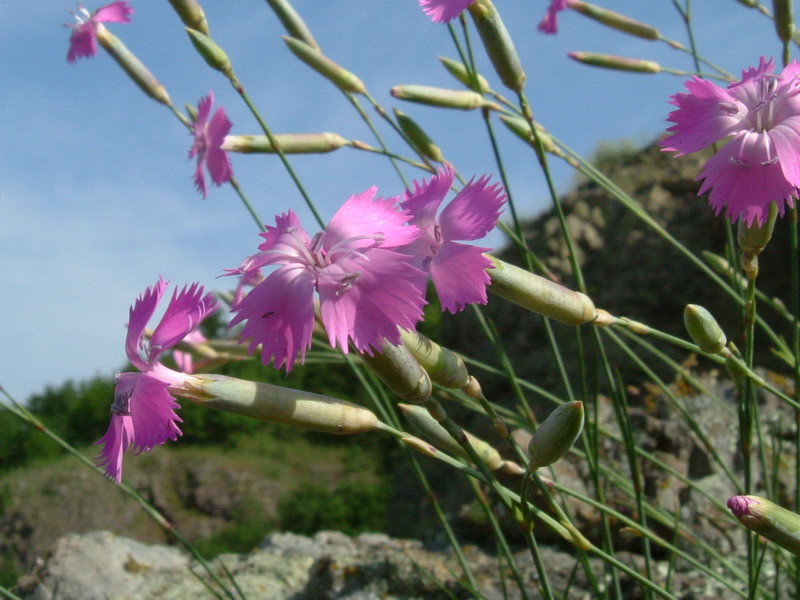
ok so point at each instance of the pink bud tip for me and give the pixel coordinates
(739, 505)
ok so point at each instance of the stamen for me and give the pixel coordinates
(122, 402)
(346, 282)
(729, 108)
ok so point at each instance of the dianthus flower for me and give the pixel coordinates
(458, 270)
(760, 164)
(549, 23)
(444, 11)
(366, 288)
(207, 146)
(83, 40)
(143, 411)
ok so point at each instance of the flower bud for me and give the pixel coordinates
(436, 434)
(276, 404)
(401, 372)
(754, 238)
(783, 11)
(540, 295)
(723, 267)
(211, 52)
(341, 78)
(522, 129)
(618, 63)
(769, 520)
(556, 435)
(615, 20)
(132, 65)
(422, 143)
(444, 366)
(704, 329)
(498, 44)
(434, 96)
(459, 71)
(192, 15)
(289, 143)
(293, 23)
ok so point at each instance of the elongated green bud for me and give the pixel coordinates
(459, 71)
(401, 372)
(192, 15)
(422, 143)
(277, 404)
(540, 295)
(768, 519)
(498, 44)
(521, 129)
(444, 366)
(723, 267)
(438, 436)
(211, 52)
(556, 435)
(618, 63)
(341, 78)
(783, 11)
(704, 329)
(289, 143)
(434, 96)
(140, 74)
(615, 20)
(293, 23)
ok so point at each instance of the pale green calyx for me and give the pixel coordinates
(704, 329)
(556, 435)
(766, 518)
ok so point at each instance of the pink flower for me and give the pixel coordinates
(443, 11)
(760, 164)
(366, 288)
(143, 411)
(207, 146)
(549, 23)
(83, 40)
(458, 270)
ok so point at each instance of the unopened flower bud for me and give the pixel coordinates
(435, 96)
(289, 143)
(615, 20)
(401, 372)
(723, 267)
(754, 238)
(769, 520)
(704, 329)
(540, 295)
(422, 143)
(277, 404)
(340, 77)
(556, 435)
(211, 52)
(421, 420)
(192, 15)
(497, 43)
(618, 63)
(132, 65)
(293, 23)
(459, 71)
(444, 366)
(522, 129)
(783, 11)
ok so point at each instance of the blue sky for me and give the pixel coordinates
(96, 198)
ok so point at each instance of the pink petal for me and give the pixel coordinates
(443, 11)
(549, 23)
(138, 316)
(279, 315)
(217, 161)
(183, 315)
(116, 12)
(82, 42)
(199, 176)
(786, 139)
(204, 109)
(705, 115)
(745, 191)
(285, 224)
(424, 201)
(153, 415)
(364, 221)
(117, 439)
(459, 274)
(388, 293)
(473, 212)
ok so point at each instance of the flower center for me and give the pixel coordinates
(763, 111)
